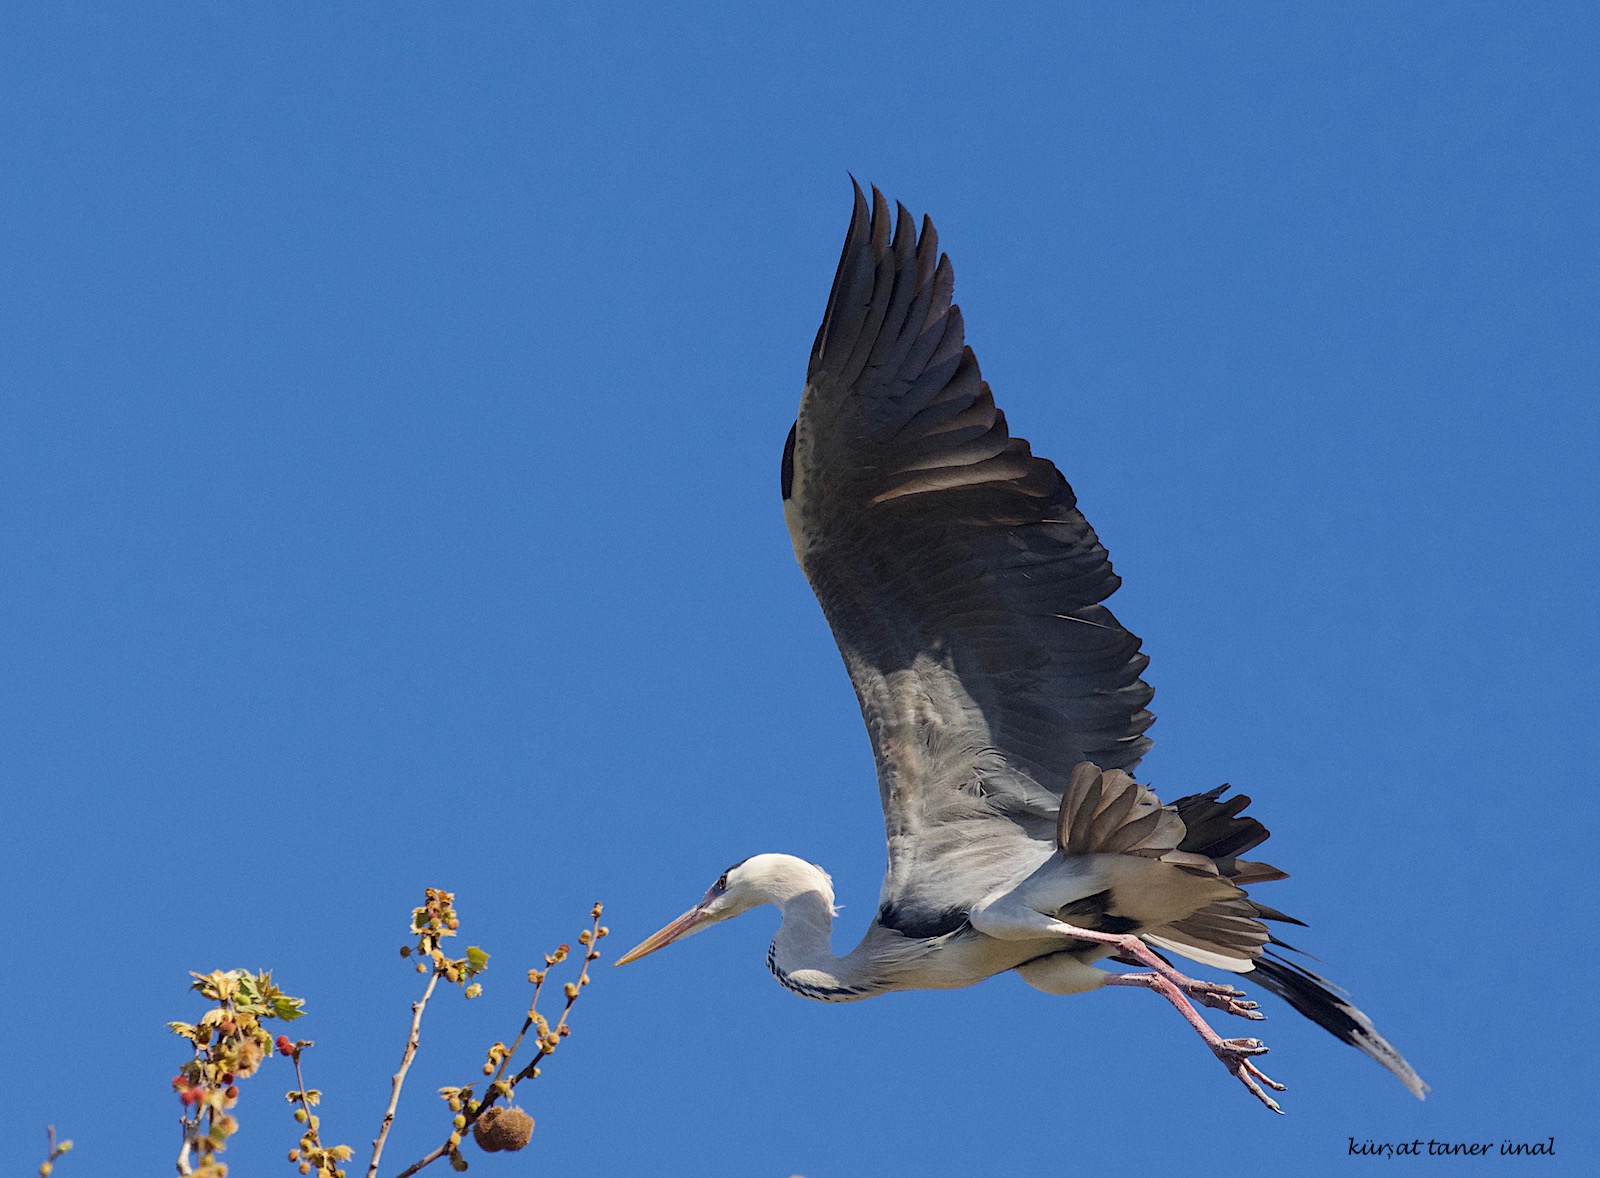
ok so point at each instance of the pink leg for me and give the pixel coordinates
(1174, 986)
(1234, 1053)
(1216, 995)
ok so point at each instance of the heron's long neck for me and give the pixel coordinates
(802, 957)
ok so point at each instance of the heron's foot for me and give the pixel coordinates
(1212, 994)
(1235, 1055)
(1229, 999)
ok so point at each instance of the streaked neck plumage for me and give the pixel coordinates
(801, 956)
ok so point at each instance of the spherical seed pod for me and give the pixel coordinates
(508, 1129)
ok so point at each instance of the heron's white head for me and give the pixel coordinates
(760, 879)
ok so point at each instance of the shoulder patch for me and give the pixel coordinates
(922, 925)
(788, 462)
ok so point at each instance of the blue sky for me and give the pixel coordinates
(395, 395)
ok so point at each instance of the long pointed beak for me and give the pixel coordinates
(691, 921)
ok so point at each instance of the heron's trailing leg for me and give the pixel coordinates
(1175, 987)
(1216, 995)
(1008, 918)
(1234, 1053)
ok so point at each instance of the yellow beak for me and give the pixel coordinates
(691, 921)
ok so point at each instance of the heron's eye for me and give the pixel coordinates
(722, 884)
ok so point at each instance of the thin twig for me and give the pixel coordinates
(427, 1161)
(538, 988)
(55, 1150)
(399, 1079)
(591, 953)
(183, 1154)
(188, 1135)
(305, 1103)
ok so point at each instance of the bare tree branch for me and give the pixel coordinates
(399, 1079)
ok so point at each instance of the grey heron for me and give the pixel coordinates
(1004, 701)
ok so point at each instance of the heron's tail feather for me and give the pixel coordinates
(1214, 829)
(1110, 813)
(1330, 1008)
(1225, 934)
(1105, 812)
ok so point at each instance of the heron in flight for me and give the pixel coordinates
(1003, 700)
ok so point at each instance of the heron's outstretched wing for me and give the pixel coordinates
(961, 582)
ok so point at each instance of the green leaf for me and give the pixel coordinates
(287, 1008)
(477, 960)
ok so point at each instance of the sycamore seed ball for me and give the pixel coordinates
(508, 1129)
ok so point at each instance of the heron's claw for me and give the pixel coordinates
(1228, 999)
(1240, 1048)
(1235, 1056)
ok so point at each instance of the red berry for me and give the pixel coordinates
(232, 1092)
(191, 1095)
(284, 1046)
(179, 1082)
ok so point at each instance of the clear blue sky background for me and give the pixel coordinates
(394, 395)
